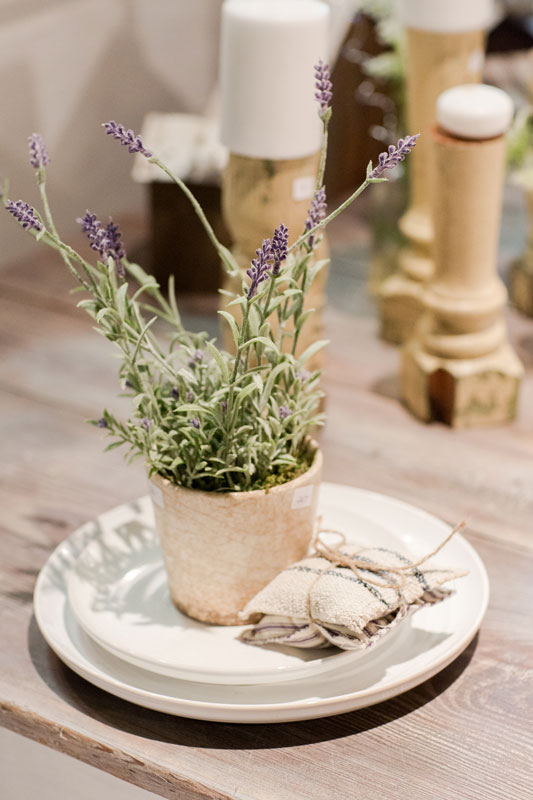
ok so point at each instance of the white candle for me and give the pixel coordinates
(268, 51)
(447, 16)
(474, 111)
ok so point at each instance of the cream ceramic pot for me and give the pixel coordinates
(220, 549)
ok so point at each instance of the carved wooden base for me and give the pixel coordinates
(461, 393)
(383, 263)
(400, 301)
(521, 284)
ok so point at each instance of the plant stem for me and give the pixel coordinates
(62, 246)
(323, 156)
(322, 224)
(223, 252)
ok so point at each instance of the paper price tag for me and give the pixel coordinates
(156, 494)
(302, 497)
(303, 188)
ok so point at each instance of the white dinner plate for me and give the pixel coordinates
(119, 594)
(417, 649)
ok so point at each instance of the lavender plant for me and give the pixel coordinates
(202, 417)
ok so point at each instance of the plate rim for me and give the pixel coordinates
(272, 712)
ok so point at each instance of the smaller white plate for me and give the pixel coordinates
(119, 594)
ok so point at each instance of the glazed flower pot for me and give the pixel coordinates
(220, 549)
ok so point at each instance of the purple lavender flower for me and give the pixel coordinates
(260, 268)
(25, 214)
(195, 423)
(175, 392)
(270, 256)
(102, 423)
(394, 155)
(89, 223)
(146, 423)
(323, 87)
(224, 406)
(106, 241)
(284, 412)
(38, 153)
(96, 234)
(116, 246)
(316, 213)
(196, 358)
(280, 244)
(128, 138)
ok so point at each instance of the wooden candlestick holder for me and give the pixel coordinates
(435, 62)
(459, 367)
(257, 195)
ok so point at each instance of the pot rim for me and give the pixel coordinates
(315, 467)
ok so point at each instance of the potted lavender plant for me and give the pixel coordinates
(225, 436)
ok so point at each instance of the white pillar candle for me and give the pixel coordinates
(268, 51)
(475, 111)
(447, 16)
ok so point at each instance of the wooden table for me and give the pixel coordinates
(466, 733)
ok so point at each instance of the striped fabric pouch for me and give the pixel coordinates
(315, 603)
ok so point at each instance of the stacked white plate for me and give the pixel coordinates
(102, 604)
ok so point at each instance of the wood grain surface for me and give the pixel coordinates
(467, 732)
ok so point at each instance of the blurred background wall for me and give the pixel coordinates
(68, 65)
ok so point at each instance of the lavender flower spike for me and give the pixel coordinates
(38, 153)
(128, 138)
(260, 268)
(106, 241)
(116, 247)
(96, 234)
(280, 245)
(316, 213)
(323, 87)
(394, 155)
(24, 214)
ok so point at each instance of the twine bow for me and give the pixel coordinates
(337, 558)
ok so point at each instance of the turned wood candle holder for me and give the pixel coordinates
(445, 48)
(459, 367)
(273, 133)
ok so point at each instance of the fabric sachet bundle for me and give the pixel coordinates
(349, 598)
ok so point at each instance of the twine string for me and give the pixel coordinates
(336, 558)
